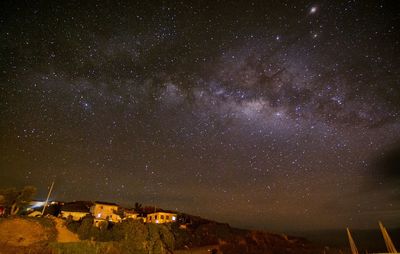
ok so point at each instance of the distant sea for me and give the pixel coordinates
(370, 240)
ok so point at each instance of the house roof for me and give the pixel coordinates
(75, 207)
(105, 203)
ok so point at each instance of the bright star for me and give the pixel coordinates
(313, 10)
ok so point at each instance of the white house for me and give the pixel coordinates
(106, 211)
(130, 214)
(161, 217)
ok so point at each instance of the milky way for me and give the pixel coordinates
(277, 116)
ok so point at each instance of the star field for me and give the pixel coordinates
(275, 115)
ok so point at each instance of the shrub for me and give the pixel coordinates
(85, 231)
(134, 236)
(73, 225)
(167, 237)
(183, 237)
(160, 239)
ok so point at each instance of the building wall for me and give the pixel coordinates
(107, 212)
(131, 215)
(161, 218)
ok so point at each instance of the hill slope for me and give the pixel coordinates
(45, 235)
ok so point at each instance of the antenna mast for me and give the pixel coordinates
(47, 199)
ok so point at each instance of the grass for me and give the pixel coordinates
(85, 247)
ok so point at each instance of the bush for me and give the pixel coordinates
(131, 236)
(183, 237)
(85, 231)
(73, 225)
(167, 237)
(103, 233)
(160, 239)
(137, 237)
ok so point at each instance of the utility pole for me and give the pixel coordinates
(47, 199)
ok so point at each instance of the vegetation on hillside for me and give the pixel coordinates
(132, 236)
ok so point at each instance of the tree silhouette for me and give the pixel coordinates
(14, 199)
(138, 207)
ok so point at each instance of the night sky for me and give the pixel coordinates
(276, 115)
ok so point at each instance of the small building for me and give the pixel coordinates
(142, 217)
(130, 214)
(161, 217)
(106, 211)
(74, 211)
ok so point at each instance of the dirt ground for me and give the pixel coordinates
(63, 234)
(21, 232)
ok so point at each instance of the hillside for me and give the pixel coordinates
(200, 232)
(49, 235)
